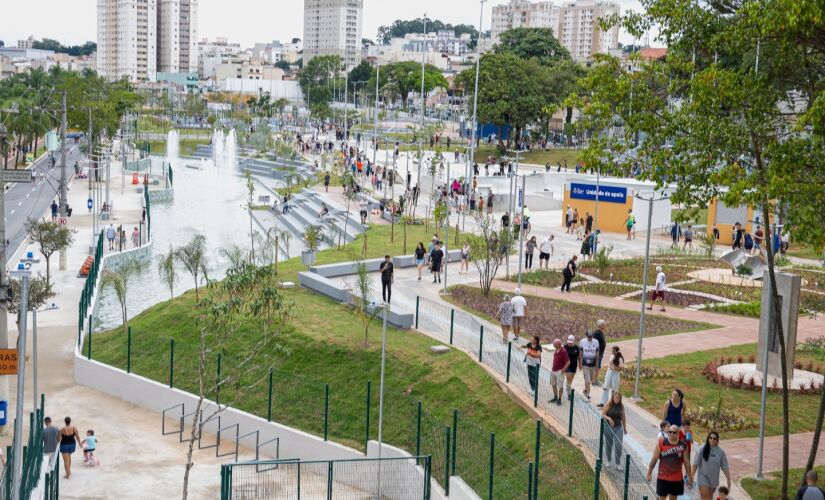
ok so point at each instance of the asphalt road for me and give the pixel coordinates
(24, 201)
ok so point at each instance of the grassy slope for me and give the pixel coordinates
(686, 373)
(325, 351)
(186, 146)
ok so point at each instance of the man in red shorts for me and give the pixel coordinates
(659, 291)
(671, 453)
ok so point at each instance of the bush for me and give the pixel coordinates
(749, 309)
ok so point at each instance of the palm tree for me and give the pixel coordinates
(167, 270)
(192, 257)
(118, 281)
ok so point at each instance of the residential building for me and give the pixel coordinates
(28, 43)
(177, 31)
(127, 39)
(333, 27)
(575, 23)
(442, 49)
(276, 51)
(211, 54)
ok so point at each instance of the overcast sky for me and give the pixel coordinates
(243, 21)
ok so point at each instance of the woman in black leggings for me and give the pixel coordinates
(568, 273)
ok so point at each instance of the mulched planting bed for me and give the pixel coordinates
(551, 319)
(632, 270)
(549, 278)
(744, 293)
(674, 298)
(606, 289)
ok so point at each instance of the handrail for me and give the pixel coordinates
(182, 417)
(200, 432)
(163, 419)
(258, 447)
(218, 444)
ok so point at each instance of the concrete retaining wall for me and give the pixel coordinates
(112, 261)
(161, 195)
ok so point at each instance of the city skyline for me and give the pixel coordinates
(269, 22)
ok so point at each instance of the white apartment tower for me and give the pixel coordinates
(574, 23)
(138, 38)
(126, 39)
(177, 36)
(333, 27)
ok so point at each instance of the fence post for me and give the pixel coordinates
(536, 394)
(171, 363)
(601, 437)
(492, 464)
(329, 482)
(417, 300)
(452, 323)
(509, 356)
(529, 480)
(89, 343)
(536, 460)
(418, 431)
(129, 350)
(481, 343)
(596, 482)
(269, 403)
(326, 412)
(626, 475)
(428, 468)
(570, 421)
(367, 433)
(455, 442)
(218, 382)
(447, 463)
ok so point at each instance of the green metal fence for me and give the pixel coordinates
(89, 288)
(32, 458)
(405, 478)
(51, 490)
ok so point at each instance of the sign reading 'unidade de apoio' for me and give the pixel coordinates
(608, 194)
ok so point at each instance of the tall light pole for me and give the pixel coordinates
(64, 203)
(386, 307)
(421, 132)
(650, 201)
(375, 125)
(17, 466)
(521, 229)
(475, 92)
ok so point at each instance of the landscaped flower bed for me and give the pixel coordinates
(676, 298)
(808, 302)
(632, 270)
(718, 419)
(814, 278)
(551, 319)
(740, 293)
(607, 289)
(711, 371)
(549, 278)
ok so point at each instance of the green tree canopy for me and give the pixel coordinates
(399, 28)
(73, 50)
(530, 43)
(399, 79)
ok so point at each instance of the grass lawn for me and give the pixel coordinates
(804, 251)
(685, 372)
(551, 319)
(186, 147)
(632, 270)
(325, 342)
(553, 156)
(768, 488)
(690, 215)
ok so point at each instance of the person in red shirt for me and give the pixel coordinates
(672, 457)
(560, 363)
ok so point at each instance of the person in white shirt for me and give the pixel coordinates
(519, 312)
(546, 251)
(659, 291)
(613, 376)
(588, 360)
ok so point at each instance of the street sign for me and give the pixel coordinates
(8, 361)
(17, 175)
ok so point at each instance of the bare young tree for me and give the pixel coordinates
(167, 270)
(226, 309)
(192, 256)
(362, 299)
(487, 248)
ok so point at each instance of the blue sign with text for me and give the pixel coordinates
(608, 194)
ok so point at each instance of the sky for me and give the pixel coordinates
(243, 21)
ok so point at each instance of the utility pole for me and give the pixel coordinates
(4, 284)
(17, 467)
(63, 196)
(471, 160)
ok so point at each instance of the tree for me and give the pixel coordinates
(284, 65)
(399, 28)
(350, 195)
(487, 249)
(714, 125)
(359, 75)
(362, 299)
(40, 291)
(532, 43)
(405, 77)
(50, 237)
(248, 293)
(316, 80)
(118, 280)
(250, 204)
(192, 256)
(167, 271)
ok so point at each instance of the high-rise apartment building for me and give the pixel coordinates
(333, 27)
(177, 36)
(138, 38)
(575, 24)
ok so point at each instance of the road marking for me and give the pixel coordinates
(28, 195)
(19, 203)
(12, 212)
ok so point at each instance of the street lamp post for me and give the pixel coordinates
(521, 229)
(386, 307)
(650, 201)
(475, 92)
(17, 465)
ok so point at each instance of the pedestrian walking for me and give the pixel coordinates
(613, 413)
(504, 315)
(737, 236)
(569, 218)
(675, 234)
(810, 491)
(568, 273)
(465, 258)
(420, 254)
(629, 222)
(326, 182)
(573, 353)
(54, 209)
(122, 235)
(708, 462)
(69, 440)
(490, 199)
(387, 278)
(589, 359)
(546, 251)
(533, 361)
(688, 239)
(136, 238)
(671, 455)
(758, 238)
(659, 290)
(50, 433)
(560, 364)
(674, 408)
(436, 258)
(530, 249)
(519, 312)
(612, 378)
(110, 236)
(599, 336)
